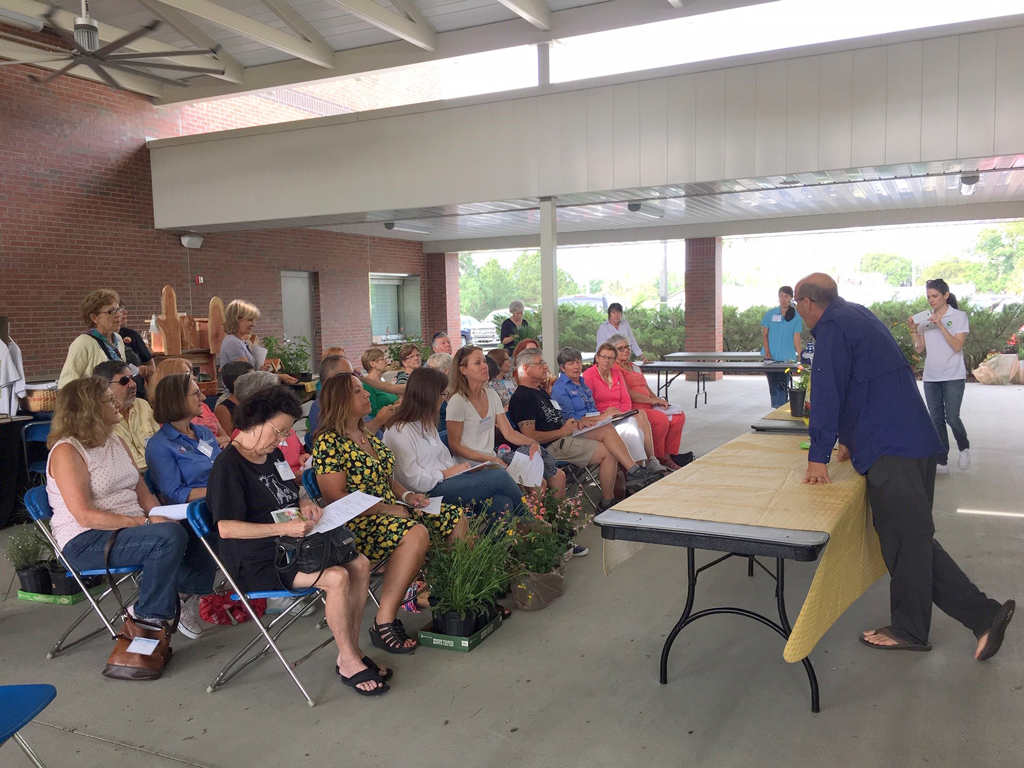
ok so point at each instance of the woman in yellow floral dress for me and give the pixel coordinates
(347, 459)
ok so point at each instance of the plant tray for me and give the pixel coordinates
(74, 599)
(430, 639)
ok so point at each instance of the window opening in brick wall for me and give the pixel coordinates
(395, 307)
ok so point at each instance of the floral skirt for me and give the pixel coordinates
(377, 535)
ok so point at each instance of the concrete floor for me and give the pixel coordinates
(576, 684)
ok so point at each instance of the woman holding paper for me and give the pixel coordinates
(181, 454)
(667, 429)
(474, 410)
(239, 321)
(578, 400)
(347, 459)
(250, 481)
(94, 487)
(941, 336)
(425, 464)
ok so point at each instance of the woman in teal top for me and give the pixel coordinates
(780, 330)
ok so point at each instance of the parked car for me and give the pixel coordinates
(478, 332)
(598, 301)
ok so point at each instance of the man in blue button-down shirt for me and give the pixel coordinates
(863, 393)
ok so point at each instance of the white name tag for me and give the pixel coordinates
(206, 449)
(776, 318)
(284, 470)
(144, 646)
(283, 443)
(556, 405)
(487, 423)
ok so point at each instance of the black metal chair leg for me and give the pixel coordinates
(691, 582)
(780, 592)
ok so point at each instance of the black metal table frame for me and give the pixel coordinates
(671, 374)
(734, 547)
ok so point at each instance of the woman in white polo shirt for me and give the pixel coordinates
(941, 338)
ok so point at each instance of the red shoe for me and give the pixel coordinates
(668, 463)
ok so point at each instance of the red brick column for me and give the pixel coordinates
(440, 296)
(704, 297)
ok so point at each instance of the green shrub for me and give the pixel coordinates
(27, 547)
(990, 332)
(466, 575)
(577, 326)
(741, 331)
(658, 331)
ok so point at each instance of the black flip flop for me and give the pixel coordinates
(373, 665)
(997, 630)
(366, 676)
(901, 644)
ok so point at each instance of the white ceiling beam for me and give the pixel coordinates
(534, 11)
(581, 20)
(296, 23)
(138, 84)
(676, 3)
(314, 51)
(408, 7)
(108, 33)
(422, 35)
(232, 67)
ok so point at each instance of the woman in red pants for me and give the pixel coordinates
(667, 429)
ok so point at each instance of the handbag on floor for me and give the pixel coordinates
(123, 665)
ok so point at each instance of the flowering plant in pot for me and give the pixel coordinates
(30, 554)
(466, 576)
(538, 551)
(799, 389)
(565, 515)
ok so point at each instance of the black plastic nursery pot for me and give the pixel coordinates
(36, 580)
(452, 623)
(796, 402)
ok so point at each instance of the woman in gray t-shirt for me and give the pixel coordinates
(239, 320)
(941, 338)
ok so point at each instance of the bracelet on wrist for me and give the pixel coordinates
(407, 493)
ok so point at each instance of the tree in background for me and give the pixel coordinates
(491, 286)
(996, 264)
(525, 276)
(898, 270)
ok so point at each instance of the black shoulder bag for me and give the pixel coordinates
(314, 553)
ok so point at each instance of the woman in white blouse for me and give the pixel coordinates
(423, 463)
(474, 410)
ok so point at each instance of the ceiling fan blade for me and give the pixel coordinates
(175, 67)
(34, 61)
(54, 76)
(144, 73)
(124, 40)
(104, 75)
(157, 55)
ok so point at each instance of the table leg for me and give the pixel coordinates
(691, 583)
(780, 592)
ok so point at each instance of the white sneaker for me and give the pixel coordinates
(656, 466)
(965, 459)
(942, 469)
(189, 623)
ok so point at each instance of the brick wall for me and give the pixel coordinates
(441, 296)
(704, 296)
(76, 213)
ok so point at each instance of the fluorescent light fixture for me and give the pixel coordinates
(646, 209)
(402, 226)
(21, 20)
(989, 512)
(968, 183)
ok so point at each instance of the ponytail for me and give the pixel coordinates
(951, 300)
(791, 313)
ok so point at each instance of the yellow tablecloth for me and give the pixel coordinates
(757, 479)
(782, 413)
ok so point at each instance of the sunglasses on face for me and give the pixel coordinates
(123, 381)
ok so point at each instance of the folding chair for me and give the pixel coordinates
(580, 476)
(199, 519)
(38, 506)
(377, 569)
(35, 432)
(19, 704)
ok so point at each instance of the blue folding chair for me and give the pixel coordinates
(35, 432)
(19, 704)
(376, 569)
(199, 518)
(38, 506)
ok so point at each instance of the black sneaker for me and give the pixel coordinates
(578, 550)
(682, 459)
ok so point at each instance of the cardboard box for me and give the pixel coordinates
(430, 639)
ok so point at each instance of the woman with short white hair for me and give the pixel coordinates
(512, 325)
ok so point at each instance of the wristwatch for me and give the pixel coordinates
(147, 521)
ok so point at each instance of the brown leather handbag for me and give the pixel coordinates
(122, 665)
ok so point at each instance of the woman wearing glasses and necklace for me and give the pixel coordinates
(101, 313)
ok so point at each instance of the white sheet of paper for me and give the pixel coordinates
(670, 410)
(433, 507)
(144, 646)
(171, 511)
(478, 467)
(344, 509)
(527, 471)
(259, 355)
(599, 424)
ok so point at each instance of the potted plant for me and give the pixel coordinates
(798, 390)
(30, 554)
(564, 515)
(467, 575)
(538, 551)
(294, 355)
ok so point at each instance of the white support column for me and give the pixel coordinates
(543, 63)
(549, 278)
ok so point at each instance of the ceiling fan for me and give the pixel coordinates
(86, 51)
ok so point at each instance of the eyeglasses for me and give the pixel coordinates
(198, 393)
(622, 347)
(606, 357)
(113, 311)
(113, 401)
(123, 381)
(282, 434)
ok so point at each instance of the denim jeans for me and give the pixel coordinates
(944, 398)
(476, 488)
(778, 387)
(172, 558)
